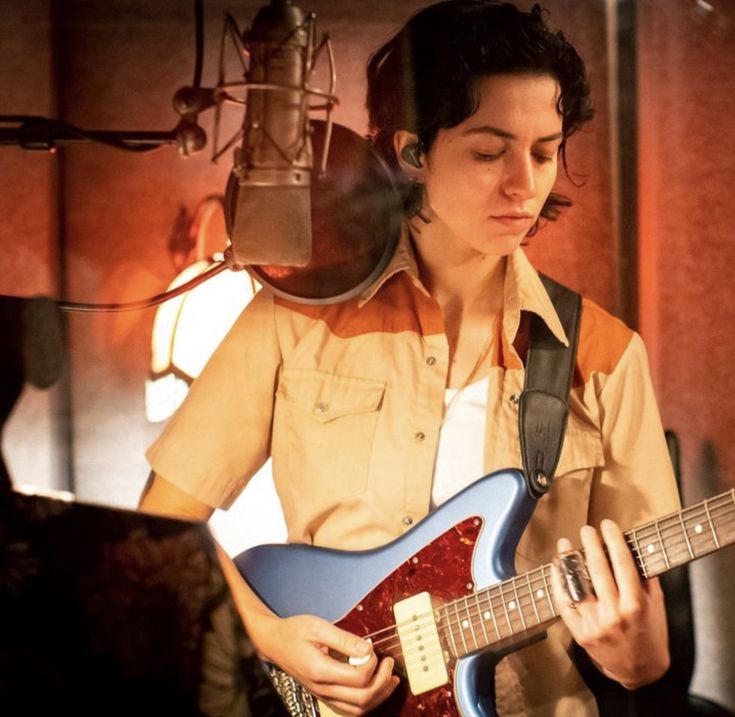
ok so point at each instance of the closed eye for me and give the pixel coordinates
(487, 156)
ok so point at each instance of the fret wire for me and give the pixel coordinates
(548, 591)
(505, 610)
(533, 598)
(661, 544)
(482, 619)
(694, 514)
(499, 595)
(644, 568)
(686, 536)
(707, 549)
(491, 610)
(636, 553)
(713, 511)
(472, 626)
(649, 529)
(450, 629)
(711, 524)
(518, 603)
(461, 630)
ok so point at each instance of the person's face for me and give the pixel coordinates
(488, 178)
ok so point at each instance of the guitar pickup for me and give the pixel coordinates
(421, 646)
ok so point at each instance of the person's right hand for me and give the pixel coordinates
(301, 646)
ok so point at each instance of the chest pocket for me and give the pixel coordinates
(564, 509)
(328, 425)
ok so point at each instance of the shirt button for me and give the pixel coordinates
(407, 520)
(420, 436)
(431, 360)
(321, 408)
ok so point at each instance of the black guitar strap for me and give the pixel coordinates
(544, 403)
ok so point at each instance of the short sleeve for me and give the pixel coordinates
(220, 435)
(636, 481)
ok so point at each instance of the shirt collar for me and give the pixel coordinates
(523, 288)
(403, 259)
(525, 292)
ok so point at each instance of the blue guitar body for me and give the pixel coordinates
(465, 546)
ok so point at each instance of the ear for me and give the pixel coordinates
(410, 158)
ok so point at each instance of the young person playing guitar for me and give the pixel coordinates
(377, 410)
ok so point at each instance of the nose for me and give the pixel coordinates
(519, 181)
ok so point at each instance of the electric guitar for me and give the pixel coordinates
(443, 600)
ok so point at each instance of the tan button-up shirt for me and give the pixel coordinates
(348, 401)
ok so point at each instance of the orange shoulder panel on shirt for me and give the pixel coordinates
(397, 306)
(603, 339)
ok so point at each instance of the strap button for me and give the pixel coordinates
(515, 398)
(430, 360)
(321, 408)
(420, 436)
(407, 520)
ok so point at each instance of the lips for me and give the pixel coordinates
(512, 220)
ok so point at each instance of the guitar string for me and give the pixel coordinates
(497, 588)
(635, 535)
(522, 591)
(497, 592)
(689, 551)
(685, 515)
(491, 595)
(514, 623)
(699, 509)
(684, 537)
(638, 552)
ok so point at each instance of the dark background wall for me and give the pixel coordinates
(91, 223)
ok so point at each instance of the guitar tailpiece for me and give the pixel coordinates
(298, 700)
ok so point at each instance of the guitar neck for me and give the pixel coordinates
(681, 537)
(513, 608)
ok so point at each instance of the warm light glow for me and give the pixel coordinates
(186, 331)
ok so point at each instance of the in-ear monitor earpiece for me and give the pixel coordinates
(410, 155)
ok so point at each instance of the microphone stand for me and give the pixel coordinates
(42, 133)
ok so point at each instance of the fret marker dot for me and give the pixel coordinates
(465, 624)
(512, 605)
(486, 615)
(539, 594)
(698, 528)
(650, 547)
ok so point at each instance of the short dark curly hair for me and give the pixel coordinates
(424, 78)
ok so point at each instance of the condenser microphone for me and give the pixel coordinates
(273, 165)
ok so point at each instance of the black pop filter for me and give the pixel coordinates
(356, 218)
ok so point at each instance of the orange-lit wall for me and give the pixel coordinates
(687, 160)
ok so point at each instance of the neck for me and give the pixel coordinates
(463, 283)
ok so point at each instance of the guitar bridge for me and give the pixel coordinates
(423, 653)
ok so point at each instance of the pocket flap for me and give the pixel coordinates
(328, 396)
(582, 448)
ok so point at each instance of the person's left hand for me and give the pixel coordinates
(623, 626)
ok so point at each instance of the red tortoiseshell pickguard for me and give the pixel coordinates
(443, 568)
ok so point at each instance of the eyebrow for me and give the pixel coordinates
(485, 129)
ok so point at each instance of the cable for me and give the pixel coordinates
(144, 303)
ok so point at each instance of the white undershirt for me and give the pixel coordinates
(460, 455)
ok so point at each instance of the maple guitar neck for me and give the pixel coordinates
(523, 604)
